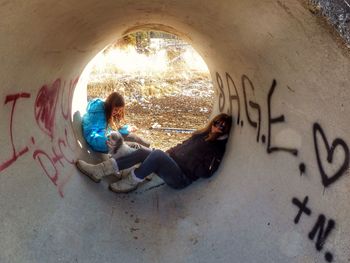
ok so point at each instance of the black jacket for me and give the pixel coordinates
(197, 157)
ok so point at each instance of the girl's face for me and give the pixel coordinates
(117, 112)
(218, 126)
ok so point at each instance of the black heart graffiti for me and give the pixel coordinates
(329, 179)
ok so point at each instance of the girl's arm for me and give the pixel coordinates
(124, 130)
(127, 129)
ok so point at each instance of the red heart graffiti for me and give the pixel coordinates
(45, 107)
(326, 179)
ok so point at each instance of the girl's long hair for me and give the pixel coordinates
(114, 100)
(222, 117)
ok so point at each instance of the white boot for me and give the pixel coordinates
(97, 171)
(127, 184)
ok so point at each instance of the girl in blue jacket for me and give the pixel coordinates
(102, 117)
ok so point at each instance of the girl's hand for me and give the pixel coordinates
(132, 128)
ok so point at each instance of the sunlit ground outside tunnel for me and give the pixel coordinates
(166, 85)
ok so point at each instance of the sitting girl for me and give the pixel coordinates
(102, 117)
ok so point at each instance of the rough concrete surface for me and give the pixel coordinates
(282, 192)
(337, 13)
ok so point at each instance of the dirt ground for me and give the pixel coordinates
(180, 112)
(165, 111)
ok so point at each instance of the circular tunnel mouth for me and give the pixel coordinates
(166, 84)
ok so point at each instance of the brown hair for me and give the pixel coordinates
(114, 100)
(222, 117)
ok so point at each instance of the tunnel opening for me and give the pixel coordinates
(166, 84)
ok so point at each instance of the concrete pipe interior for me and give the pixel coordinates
(282, 192)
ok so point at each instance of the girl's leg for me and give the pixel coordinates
(111, 166)
(165, 167)
(133, 158)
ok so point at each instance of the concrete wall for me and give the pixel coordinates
(282, 192)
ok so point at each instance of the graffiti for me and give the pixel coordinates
(49, 164)
(62, 147)
(275, 120)
(45, 107)
(65, 147)
(319, 228)
(302, 168)
(254, 108)
(251, 106)
(68, 99)
(66, 110)
(233, 97)
(302, 208)
(15, 154)
(63, 142)
(330, 155)
(337, 143)
(40, 155)
(222, 98)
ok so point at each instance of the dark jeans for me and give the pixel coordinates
(155, 161)
(133, 158)
(165, 167)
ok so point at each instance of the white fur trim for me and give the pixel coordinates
(115, 165)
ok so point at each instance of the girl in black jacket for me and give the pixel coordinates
(199, 156)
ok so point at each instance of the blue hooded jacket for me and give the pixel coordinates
(94, 126)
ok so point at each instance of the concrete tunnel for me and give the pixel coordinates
(282, 191)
